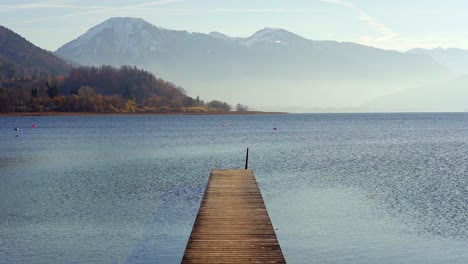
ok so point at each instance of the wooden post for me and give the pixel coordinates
(247, 159)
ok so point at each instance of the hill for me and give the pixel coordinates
(20, 58)
(128, 82)
(103, 89)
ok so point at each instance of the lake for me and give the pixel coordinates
(340, 188)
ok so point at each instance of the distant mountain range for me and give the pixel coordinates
(270, 70)
(456, 60)
(273, 67)
(449, 96)
(20, 58)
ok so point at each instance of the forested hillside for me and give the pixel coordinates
(20, 58)
(100, 89)
(128, 82)
(35, 80)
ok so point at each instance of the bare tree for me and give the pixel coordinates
(242, 108)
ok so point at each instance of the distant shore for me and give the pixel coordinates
(138, 113)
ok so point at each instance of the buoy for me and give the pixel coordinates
(34, 125)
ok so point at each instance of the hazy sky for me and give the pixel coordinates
(396, 24)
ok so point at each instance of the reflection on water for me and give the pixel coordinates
(375, 188)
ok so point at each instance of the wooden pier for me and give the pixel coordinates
(232, 225)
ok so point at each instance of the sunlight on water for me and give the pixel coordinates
(375, 188)
(343, 226)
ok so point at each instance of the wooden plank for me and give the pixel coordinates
(232, 225)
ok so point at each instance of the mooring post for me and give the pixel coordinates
(247, 159)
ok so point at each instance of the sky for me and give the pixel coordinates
(395, 25)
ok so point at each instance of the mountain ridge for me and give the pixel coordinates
(454, 59)
(449, 96)
(319, 73)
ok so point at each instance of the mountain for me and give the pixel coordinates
(273, 67)
(220, 35)
(273, 36)
(133, 41)
(450, 96)
(19, 57)
(452, 58)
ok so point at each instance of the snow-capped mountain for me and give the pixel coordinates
(265, 37)
(129, 36)
(133, 41)
(268, 36)
(114, 40)
(274, 64)
(454, 59)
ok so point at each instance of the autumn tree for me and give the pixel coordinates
(86, 94)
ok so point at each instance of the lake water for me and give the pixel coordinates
(340, 188)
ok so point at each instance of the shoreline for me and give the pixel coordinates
(136, 113)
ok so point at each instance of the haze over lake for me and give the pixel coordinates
(340, 188)
(132, 104)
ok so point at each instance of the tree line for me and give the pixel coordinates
(102, 89)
